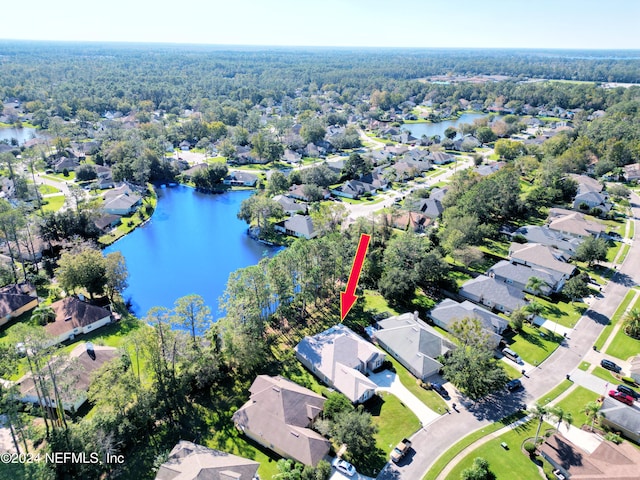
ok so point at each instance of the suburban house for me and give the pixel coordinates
(354, 189)
(297, 192)
(73, 373)
(64, 163)
(621, 418)
(191, 171)
(413, 343)
(488, 169)
(291, 156)
(237, 178)
(431, 207)
(297, 226)
(447, 312)
(278, 415)
(340, 358)
(122, 204)
(586, 183)
(591, 200)
(412, 221)
(15, 300)
(518, 275)
(493, 293)
(574, 225)
(190, 461)
(632, 172)
(104, 177)
(184, 146)
(407, 169)
(440, 158)
(290, 206)
(607, 461)
(534, 254)
(551, 238)
(107, 221)
(73, 317)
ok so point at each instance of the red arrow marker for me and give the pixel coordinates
(348, 297)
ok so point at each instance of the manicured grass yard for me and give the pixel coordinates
(562, 311)
(375, 303)
(394, 420)
(613, 250)
(513, 461)
(604, 374)
(430, 398)
(47, 189)
(575, 402)
(614, 319)
(632, 227)
(623, 254)
(532, 347)
(52, 204)
(556, 392)
(623, 346)
(584, 366)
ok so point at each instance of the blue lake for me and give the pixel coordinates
(438, 128)
(20, 134)
(191, 245)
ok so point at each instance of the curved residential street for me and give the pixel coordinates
(433, 440)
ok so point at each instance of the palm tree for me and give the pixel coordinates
(534, 308)
(43, 314)
(592, 411)
(560, 415)
(540, 412)
(632, 323)
(535, 284)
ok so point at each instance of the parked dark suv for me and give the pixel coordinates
(609, 365)
(629, 391)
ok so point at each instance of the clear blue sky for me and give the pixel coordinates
(602, 24)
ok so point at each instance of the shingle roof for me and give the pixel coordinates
(279, 412)
(301, 224)
(546, 236)
(541, 255)
(414, 342)
(72, 313)
(576, 224)
(621, 414)
(122, 201)
(335, 353)
(490, 289)
(12, 298)
(431, 207)
(190, 461)
(448, 311)
(522, 273)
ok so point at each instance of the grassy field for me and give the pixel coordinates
(393, 419)
(613, 250)
(47, 189)
(375, 303)
(623, 346)
(561, 311)
(513, 460)
(52, 204)
(632, 227)
(531, 346)
(450, 454)
(604, 374)
(614, 319)
(623, 254)
(60, 177)
(556, 392)
(575, 402)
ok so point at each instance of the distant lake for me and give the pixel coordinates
(438, 128)
(21, 134)
(191, 245)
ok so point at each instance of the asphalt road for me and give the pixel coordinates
(433, 440)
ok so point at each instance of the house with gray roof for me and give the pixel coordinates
(575, 225)
(413, 343)
(634, 368)
(493, 293)
(551, 238)
(518, 275)
(297, 226)
(278, 415)
(238, 178)
(534, 254)
(340, 358)
(431, 207)
(290, 206)
(122, 204)
(621, 417)
(592, 200)
(488, 169)
(190, 461)
(447, 312)
(353, 189)
(440, 158)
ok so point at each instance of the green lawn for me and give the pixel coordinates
(632, 225)
(561, 311)
(584, 366)
(47, 189)
(623, 346)
(531, 346)
(623, 254)
(556, 392)
(511, 463)
(52, 204)
(430, 398)
(575, 402)
(604, 374)
(454, 450)
(59, 177)
(375, 303)
(614, 319)
(513, 372)
(495, 247)
(459, 277)
(613, 251)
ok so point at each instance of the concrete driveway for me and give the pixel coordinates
(388, 381)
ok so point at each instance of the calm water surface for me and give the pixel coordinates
(21, 134)
(438, 128)
(191, 245)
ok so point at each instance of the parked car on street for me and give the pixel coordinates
(621, 397)
(628, 391)
(514, 384)
(344, 467)
(609, 365)
(440, 389)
